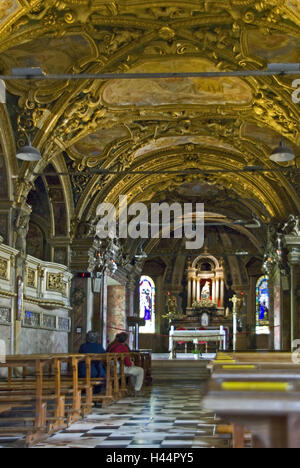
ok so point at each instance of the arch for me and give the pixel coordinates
(8, 149)
(206, 257)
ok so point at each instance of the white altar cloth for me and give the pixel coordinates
(194, 336)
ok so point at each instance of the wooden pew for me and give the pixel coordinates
(53, 384)
(52, 398)
(32, 398)
(262, 396)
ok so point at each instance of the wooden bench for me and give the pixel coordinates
(42, 394)
(252, 391)
(31, 399)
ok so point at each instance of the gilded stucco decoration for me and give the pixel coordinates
(56, 283)
(4, 269)
(176, 124)
(31, 278)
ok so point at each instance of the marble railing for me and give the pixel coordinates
(7, 270)
(44, 283)
(47, 283)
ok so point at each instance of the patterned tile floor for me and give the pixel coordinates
(165, 416)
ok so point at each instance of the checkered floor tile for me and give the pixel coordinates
(166, 416)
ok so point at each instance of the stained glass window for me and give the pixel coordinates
(262, 305)
(147, 304)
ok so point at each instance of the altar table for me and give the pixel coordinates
(194, 336)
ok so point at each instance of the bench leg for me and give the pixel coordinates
(238, 436)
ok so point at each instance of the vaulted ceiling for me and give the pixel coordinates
(176, 124)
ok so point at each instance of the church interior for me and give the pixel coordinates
(216, 329)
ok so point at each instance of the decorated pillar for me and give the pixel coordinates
(82, 293)
(198, 289)
(292, 241)
(222, 292)
(21, 220)
(294, 261)
(116, 306)
(189, 293)
(214, 290)
(217, 291)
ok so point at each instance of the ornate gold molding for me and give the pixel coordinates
(31, 278)
(45, 303)
(9, 294)
(4, 272)
(56, 283)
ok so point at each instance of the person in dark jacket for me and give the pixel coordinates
(92, 346)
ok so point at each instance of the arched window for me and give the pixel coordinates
(147, 304)
(262, 305)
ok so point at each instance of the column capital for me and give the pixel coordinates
(294, 256)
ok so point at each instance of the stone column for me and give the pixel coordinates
(89, 305)
(21, 218)
(213, 289)
(251, 314)
(189, 302)
(83, 319)
(294, 261)
(194, 290)
(222, 292)
(116, 307)
(198, 289)
(217, 291)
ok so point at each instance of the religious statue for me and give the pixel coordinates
(21, 228)
(205, 293)
(292, 226)
(171, 304)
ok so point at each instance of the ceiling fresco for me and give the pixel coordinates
(176, 91)
(274, 48)
(94, 146)
(168, 142)
(51, 54)
(130, 127)
(294, 5)
(7, 8)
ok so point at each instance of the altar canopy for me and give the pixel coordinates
(206, 281)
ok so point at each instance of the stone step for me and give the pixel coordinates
(179, 370)
(178, 364)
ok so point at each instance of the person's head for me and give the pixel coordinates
(122, 337)
(92, 337)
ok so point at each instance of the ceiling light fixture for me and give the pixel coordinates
(241, 253)
(282, 154)
(141, 254)
(29, 153)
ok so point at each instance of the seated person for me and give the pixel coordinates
(92, 346)
(136, 373)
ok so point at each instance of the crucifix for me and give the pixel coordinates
(234, 300)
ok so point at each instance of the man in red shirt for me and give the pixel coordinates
(136, 373)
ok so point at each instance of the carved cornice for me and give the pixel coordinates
(8, 294)
(47, 304)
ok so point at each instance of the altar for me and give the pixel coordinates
(206, 285)
(194, 336)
